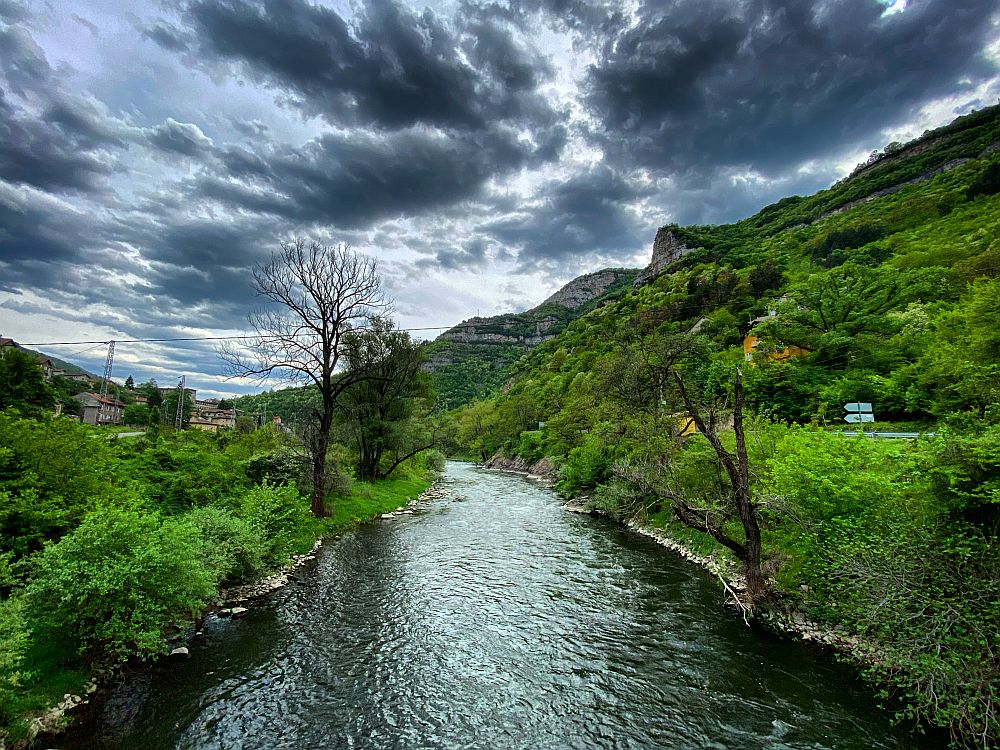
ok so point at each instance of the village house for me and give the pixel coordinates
(210, 418)
(99, 410)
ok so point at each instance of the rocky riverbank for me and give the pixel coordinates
(782, 615)
(540, 471)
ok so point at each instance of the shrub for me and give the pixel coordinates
(434, 460)
(276, 467)
(233, 550)
(13, 642)
(278, 515)
(114, 585)
(588, 465)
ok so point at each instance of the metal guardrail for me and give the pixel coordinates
(890, 435)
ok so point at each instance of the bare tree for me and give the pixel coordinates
(664, 358)
(317, 295)
(740, 500)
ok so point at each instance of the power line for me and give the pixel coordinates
(244, 337)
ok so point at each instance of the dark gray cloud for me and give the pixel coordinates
(65, 147)
(452, 256)
(91, 27)
(585, 215)
(51, 156)
(167, 36)
(23, 63)
(36, 232)
(390, 68)
(698, 84)
(10, 10)
(350, 181)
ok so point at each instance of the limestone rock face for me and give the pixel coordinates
(667, 248)
(582, 290)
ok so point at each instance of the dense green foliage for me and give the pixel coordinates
(881, 289)
(22, 383)
(114, 583)
(292, 405)
(386, 411)
(108, 546)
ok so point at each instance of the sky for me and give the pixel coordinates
(483, 152)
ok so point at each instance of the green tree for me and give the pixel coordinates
(960, 368)
(386, 405)
(51, 470)
(169, 409)
(136, 414)
(835, 313)
(22, 382)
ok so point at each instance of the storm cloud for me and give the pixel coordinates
(391, 67)
(484, 152)
(699, 84)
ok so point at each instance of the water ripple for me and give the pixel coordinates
(495, 620)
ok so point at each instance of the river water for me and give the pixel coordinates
(493, 619)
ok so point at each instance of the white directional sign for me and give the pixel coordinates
(858, 411)
(859, 418)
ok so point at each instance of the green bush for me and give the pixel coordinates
(13, 644)
(279, 515)
(530, 447)
(434, 459)
(587, 465)
(233, 550)
(279, 466)
(113, 586)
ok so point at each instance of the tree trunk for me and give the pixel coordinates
(318, 445)
(318, 505)
(738, 468)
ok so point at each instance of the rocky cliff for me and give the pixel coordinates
(667, 248)
(541, 323)
(583, 289)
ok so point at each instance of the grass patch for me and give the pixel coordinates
(695, 541)
(370, 500)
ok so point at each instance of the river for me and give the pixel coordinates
(491, 618)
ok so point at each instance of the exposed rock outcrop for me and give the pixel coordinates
(583, 289)
(542, 470)
(667, 249)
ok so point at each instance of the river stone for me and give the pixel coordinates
(239, 611)
(180, 652)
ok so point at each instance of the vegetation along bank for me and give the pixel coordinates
(707, 402)
(110, 547)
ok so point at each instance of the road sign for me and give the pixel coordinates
(858, 406)
(859, 418)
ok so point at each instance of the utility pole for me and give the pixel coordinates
(108, 363)
(179, 416)
(104, 414)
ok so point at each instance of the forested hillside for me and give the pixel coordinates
(882, 289)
